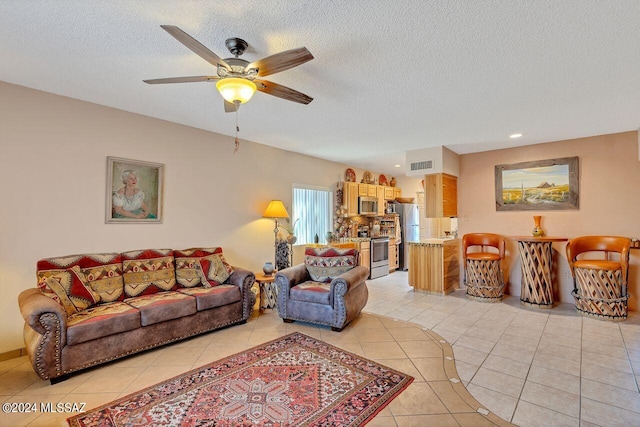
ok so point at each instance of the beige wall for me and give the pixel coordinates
(53, 173)
(609, 202)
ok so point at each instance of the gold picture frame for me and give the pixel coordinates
(551, 184)
(140, 199)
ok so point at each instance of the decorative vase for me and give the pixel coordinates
(268, 268)
(537, 230)
(393, 181)
(316, 239)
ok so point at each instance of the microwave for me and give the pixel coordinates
(367, 206)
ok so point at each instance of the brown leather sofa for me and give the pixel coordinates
(93, 308)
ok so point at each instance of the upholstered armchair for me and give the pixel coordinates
(328, 289)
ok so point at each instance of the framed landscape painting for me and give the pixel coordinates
(134, 191)
(538, 185)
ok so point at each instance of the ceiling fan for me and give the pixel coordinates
(237, 79)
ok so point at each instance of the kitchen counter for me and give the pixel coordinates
(354, 239)
(434, 265)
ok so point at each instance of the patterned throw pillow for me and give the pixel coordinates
(103, 271)
(148, 272)
(188, 264)
(212, 270)
(71, 289)
(327, 263)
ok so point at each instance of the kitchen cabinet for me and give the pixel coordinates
(364, 248)
(434, 265)
(422, 213)
(352, 190)
(441, 195)
(389, 193)
(350, 198)
(380, 196)
(393, 254)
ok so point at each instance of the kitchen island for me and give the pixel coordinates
(434, 265)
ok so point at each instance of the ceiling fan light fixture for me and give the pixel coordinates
(235, 89)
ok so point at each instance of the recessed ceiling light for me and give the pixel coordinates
(397, 166)
(515, 135)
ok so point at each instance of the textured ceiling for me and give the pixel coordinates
(388, 76)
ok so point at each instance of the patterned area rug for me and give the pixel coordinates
(295, 380)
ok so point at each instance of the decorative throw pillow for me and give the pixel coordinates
(54, 290)
(189, 272)
(324, 264)
(148, 272)
(71, 289)
(212, 270)
(102, 270)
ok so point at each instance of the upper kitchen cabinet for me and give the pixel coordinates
(441, 195)
(350, 198)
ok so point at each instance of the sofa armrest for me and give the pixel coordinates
(244, 279)
(290, 277)
(45, 332)
(33, 304)
(349, 280)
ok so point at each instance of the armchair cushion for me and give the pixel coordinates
(310, 291)
(326, 263)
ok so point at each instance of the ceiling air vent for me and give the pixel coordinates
(422, 166)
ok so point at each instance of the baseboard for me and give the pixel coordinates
(13, 354)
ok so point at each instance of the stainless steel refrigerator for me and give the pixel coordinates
(409, 230)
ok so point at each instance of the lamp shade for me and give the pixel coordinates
(276, 209)
(234, 89)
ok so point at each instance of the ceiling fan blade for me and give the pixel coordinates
(195, 46)
(182, 79)
(282, 91)
(230, 107)
(281, 61)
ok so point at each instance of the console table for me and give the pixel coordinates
(536, 258)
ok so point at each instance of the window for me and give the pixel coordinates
(312, 209)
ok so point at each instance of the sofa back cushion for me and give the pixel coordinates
(148, 271)
(326, 263)
(71, 289)
(103, 271)
(201, 267)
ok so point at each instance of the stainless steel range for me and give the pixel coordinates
(379, 257)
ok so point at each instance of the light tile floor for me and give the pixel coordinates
(528, 366)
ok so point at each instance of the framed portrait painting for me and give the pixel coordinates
(134, 191)
(551, 184)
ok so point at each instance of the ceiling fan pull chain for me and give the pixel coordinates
(237, 141)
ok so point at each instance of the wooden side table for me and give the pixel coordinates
(268, 291)
(536, 258)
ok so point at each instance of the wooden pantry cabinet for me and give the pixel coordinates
(441, 195)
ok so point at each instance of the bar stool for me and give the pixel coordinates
(600, 285)
(482, 269)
